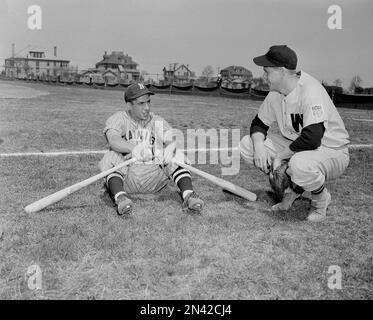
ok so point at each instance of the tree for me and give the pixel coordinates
(260, 83)
(143, 75)
(355, 83)
(208, 72)
(26, 67)
(337, 82)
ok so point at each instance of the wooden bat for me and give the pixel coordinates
(226, 185)
(59, 195)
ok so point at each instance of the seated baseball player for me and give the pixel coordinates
(312, 134)
(139, 133)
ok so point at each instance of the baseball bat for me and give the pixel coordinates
(226, 185)
(59, 195)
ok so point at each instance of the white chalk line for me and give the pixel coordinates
(86, 152)
(369, 120)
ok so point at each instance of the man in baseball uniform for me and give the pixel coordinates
(137, 132)
(312, 133)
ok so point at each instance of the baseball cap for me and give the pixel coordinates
(278, 56)
(136, 90)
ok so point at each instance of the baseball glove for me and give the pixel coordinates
(279, 179)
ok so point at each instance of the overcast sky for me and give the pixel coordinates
(219, 33)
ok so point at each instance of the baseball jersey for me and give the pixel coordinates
(307, 104)
(135, 132)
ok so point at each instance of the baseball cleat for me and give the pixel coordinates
(288, 200)
(124, 205)
(319, 206)
(193, 203)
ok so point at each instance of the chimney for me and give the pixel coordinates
(13, 50)
(55, 51)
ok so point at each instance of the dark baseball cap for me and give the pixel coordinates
(136, 90)
(278, 56)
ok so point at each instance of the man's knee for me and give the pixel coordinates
(298, 164)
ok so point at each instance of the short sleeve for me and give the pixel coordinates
(163, 130)
(266, 112)
(115, 122)
(313, 106)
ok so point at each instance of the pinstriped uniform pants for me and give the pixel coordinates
(137, 177)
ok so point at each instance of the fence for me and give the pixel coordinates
(362, 101)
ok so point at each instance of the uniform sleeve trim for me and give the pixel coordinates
(258, 125)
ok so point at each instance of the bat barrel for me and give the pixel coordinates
(226, 185)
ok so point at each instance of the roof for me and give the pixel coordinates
(38, 59)
(177, 68)
(118, 58)
(237, 70)
(109, 71)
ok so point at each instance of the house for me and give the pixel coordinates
(120, 64)
(110, 76)
(178, 74)
(90, 76)
(368, 91)
(37, 63)
(236, 76)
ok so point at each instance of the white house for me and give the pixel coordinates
(36, 64)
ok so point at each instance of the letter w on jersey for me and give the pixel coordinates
(296, 120)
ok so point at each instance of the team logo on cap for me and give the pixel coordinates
(141, 86)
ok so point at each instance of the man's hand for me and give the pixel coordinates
(285, 154)
(262, 159)
(142, 152)
(276, 162)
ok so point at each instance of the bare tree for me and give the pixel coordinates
(144, 75)
(260, 83)
(27, 68)
(208, 72)
(355, 83)
(337, 82)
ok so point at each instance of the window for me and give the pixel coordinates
(47, 63)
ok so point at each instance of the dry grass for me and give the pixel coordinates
(234, 250)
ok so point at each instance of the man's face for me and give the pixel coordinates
(140, 107)
(273, 76)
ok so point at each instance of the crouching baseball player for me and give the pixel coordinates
(139, 133)
(312, 133)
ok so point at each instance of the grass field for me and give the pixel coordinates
(235, 250)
